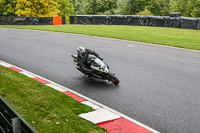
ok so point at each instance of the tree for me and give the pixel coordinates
(146, 12)
(196, 9)
(135, 6)
(36, 8)
(77, 4)
(187, 8)
(98, 6)
(120, 7)
(180, 6)
(66, 8)
(163, 7)
(159, 7)
(7, 7)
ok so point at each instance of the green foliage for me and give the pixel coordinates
(155, 7)
(120, 7)
(135, 6)
(36, 8)
(146, 12)
(77, 5)
(7, 7)
(160, 7)
(66, 8)
(45, 8)
(196, 9)
(188, 8)
(99, 6)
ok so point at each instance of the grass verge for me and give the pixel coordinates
(182, 38)
(44, 108)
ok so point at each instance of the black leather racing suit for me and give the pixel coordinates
(84, 61)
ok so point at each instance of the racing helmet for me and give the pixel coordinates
(81, 51)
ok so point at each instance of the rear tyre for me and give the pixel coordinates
(113, 79)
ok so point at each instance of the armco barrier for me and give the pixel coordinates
(11, 121)
(137, 20)
(72, 19)
(117, 20)
(175, 14)
(44, 21)
(174, 22)
(189, 23)
(100, 19)
(83, 19)
(198, 23)
(32, 20)
(158, 21)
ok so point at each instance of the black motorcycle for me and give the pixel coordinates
(99, 68)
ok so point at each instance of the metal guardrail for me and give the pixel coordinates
(174, 20)
(11, 121)
(29, 20)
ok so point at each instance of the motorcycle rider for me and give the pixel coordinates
(83, 58)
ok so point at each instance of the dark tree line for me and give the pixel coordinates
(187, 8)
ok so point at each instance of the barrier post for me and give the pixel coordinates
(16, 124)
(11, 121)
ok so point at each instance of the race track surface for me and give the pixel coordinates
(159, 86)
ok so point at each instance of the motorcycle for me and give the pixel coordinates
(99, 68)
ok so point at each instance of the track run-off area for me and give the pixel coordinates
(159, 85)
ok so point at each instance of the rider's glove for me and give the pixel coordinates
(101, 58)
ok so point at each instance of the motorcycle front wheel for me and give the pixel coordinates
(112, 78)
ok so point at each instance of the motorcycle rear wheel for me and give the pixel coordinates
(113, 79)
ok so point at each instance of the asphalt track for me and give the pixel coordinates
(159, 86)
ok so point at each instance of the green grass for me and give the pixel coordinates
(182, 38)
(44, 108)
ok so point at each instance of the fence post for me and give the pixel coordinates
(16, 124)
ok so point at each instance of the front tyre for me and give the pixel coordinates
(112, 78)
